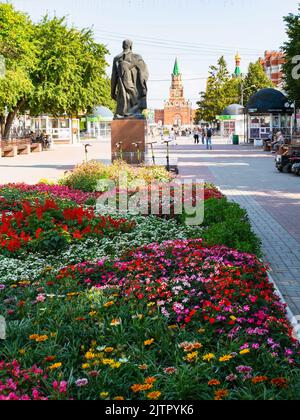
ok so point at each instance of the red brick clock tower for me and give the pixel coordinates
(178, 111)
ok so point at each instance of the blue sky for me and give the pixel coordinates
(201, 31)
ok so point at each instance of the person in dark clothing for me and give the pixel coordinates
(209, 134)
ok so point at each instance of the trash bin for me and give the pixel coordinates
(236, 139)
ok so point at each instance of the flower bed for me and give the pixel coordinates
(173, 321)
(50, 227)
(12, 194)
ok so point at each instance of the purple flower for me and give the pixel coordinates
(231, 378)
(2, 287)
(244, 369)
(81, 383)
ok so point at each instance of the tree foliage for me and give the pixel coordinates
(224, 89)
(219, 90)
(292, 54)
(50, 68)
(18, 51)
(255, 80)
(70, 76)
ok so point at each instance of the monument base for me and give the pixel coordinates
(128, 141)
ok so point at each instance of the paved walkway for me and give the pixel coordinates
(51, 164)
(249, 177)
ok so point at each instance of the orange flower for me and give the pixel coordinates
(214, 382)
(150, 380)
(49, 359)
(55, 366)
(119, 399)
(149, 342)
(141, 388)
(259, 380)
(154, 395)
(222, 393)
(280, 382)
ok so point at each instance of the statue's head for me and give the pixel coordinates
(127, 45)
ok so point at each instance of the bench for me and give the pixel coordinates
(36, 147)
(9, 150)
(23, 149)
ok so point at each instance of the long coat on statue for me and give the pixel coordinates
(129, 84)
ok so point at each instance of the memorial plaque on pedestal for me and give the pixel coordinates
(128, 140)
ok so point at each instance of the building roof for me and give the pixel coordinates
(234, 109)
(268, 101)
(176, 71)
(101, 113)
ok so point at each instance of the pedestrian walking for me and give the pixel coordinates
(209, 134)
(196, 135)
(203, 135)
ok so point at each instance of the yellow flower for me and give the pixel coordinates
(115, 365)
(86, 366)
(109, 304)
(226, 358)
(143, 367)
(208, 357)
(246, 351)
(115, 322)
(108, 361)
(149, 342)
(233, 318)
(109, 350)
(154, 395)
(201, 331)
(172, 327)
(191, 357)
(55, 366)
(104, 395)
(151, 304)
(22, 352)
(89, 356)
(92, 314)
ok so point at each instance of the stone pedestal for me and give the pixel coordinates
(128, 139)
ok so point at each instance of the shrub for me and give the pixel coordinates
(85, 177)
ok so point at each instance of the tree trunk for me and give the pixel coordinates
(10, 119)
(2, 125)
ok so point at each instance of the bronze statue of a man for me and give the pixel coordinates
(129, 83)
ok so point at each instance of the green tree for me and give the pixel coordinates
(221, 91)
(255, 80)
(19, 54)
(292, 53)
(70, 75)
(50, 68)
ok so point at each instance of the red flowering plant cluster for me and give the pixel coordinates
(224, 291)
(11, 195)
(50, 227)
